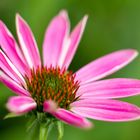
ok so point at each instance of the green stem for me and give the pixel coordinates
(60, 128)
(43, 135)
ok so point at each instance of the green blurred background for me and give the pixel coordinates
(112, 25)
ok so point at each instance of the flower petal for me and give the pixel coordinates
(49, 106)
(111, 88)
(106, 110)
(10, 48)
(54, 40)
(21, 104)
(28, 43)
(105, 65)
(15, 87)
(71, 118)
(74, 38)
(7, 66)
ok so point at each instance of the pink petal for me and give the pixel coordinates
(7, 66)
(106, 110)
(74, 39)
(15, 87)
(21, 104)
(28, 43)
(105, 65)
(72, 119)
(9, 46)
(111, 88)
(49, 106)
(55, 38)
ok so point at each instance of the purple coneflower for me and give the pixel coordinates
(50, 88)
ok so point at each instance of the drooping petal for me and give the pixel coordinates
(106, 110)
(105, 65)
(49, 106)
(55, 39)
(7, 66)
(9, 46)
(15, 87)
(71, 118)
(74, 39)
(27, 43)
(21, 104)
(110, 88)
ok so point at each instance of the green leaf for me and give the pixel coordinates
(31, 123)
(11, 115)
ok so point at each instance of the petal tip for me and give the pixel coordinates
(17, 16)
(88, 125)
(2, 25)
(49, 106)
(132, 52)
(63, 13)
(20, 104)
(135, 52)
(19, 19)
(82, 23)
(84, 20)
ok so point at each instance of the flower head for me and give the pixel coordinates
(50, 88)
